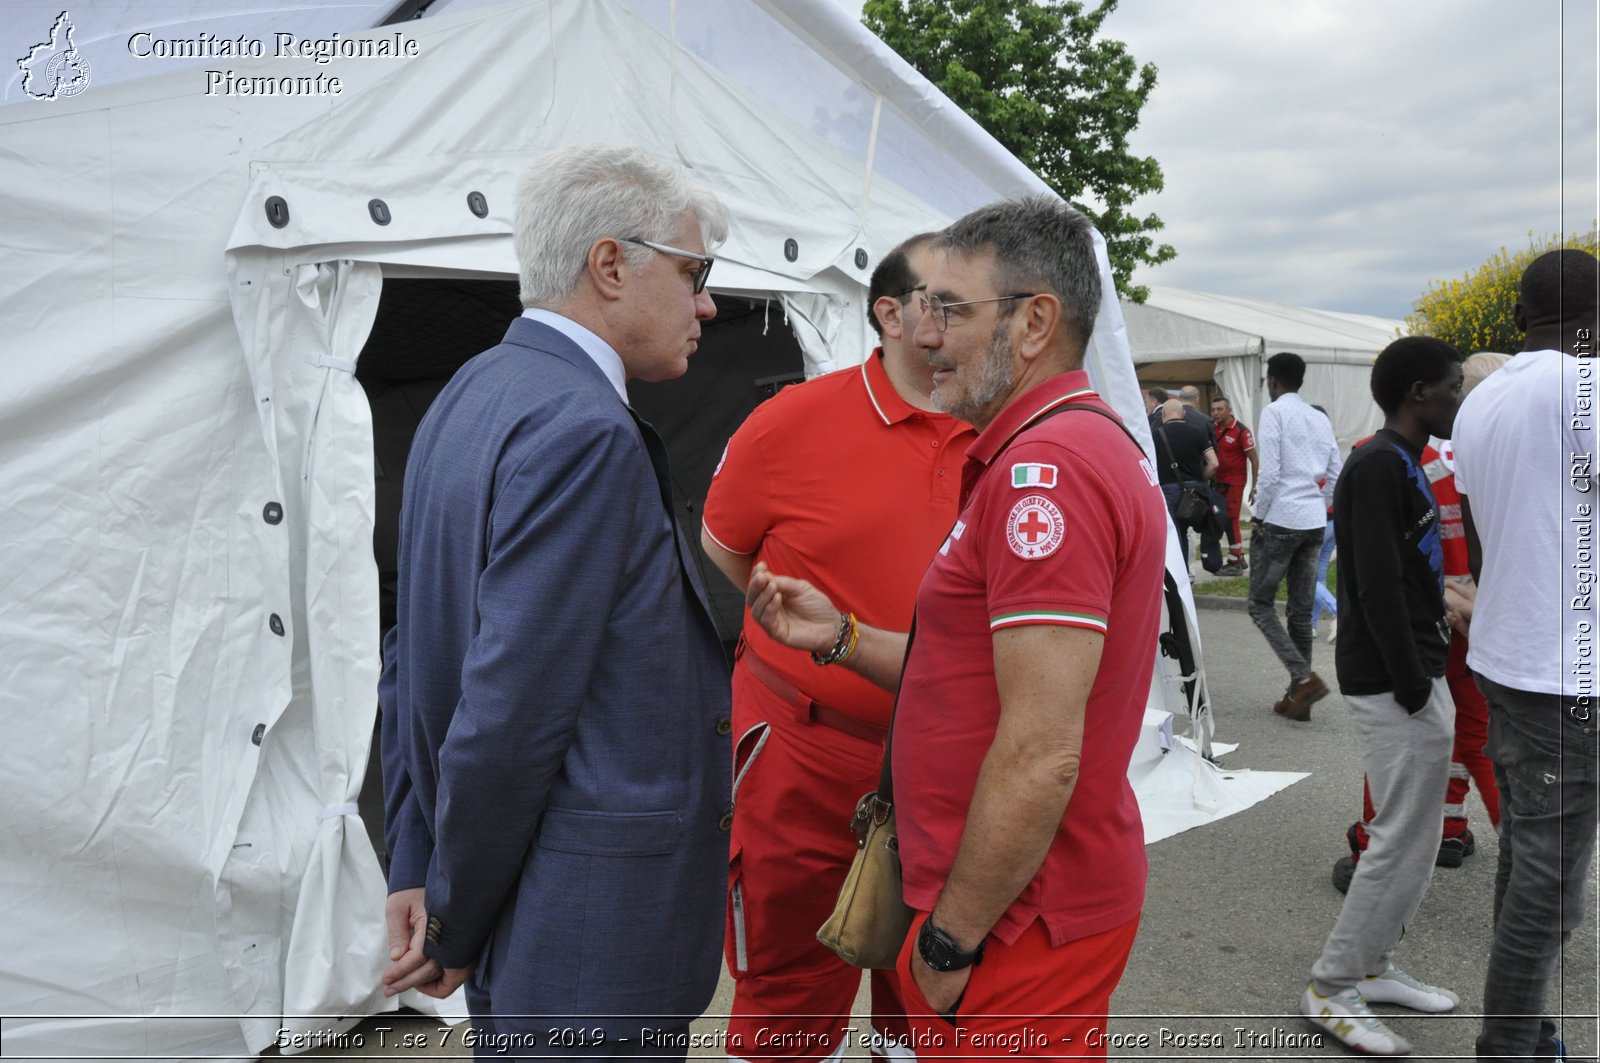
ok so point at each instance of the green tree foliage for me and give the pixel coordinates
(1033, 73)
(1473, 313)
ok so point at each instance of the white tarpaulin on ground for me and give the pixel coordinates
(1239, 335)
(1182, 790)
(189, 613)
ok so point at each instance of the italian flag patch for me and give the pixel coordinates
(1033, 474)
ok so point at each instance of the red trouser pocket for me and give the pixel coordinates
(736, 943)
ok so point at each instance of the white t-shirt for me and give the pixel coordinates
(1524, 456)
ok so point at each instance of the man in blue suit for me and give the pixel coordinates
(555, 697)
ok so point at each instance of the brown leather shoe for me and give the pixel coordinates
(1297, 700)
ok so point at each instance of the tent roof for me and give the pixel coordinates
(1175, 324)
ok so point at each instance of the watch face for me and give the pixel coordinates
(939, 951)
(935, 951)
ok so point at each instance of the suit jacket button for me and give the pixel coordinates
(724, 727)
(726, 822)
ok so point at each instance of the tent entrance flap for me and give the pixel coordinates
(427, 328)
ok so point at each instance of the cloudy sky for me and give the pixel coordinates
(1342, 153)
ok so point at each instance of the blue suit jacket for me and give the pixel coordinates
(555, 697)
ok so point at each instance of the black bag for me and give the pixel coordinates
(1192, 508)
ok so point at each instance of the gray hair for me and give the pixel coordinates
(577, 195)
(1476, 369)
(1040, 244)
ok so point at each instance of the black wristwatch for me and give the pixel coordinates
(940, 951)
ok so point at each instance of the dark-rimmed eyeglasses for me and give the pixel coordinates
(941, 309)
(701, 275)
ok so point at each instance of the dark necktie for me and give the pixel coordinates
(658, 459)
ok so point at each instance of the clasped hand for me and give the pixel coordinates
(407, 916)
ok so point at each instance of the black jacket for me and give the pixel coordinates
(1392, 632)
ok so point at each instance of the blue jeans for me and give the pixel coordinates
(1326, 602)
(1209, 528)
(1277, 554)
(1547, 761)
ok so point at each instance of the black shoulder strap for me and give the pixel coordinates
(1113, 418)
(1172, 459)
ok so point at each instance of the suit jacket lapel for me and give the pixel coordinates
(657, 450)
(528, 333)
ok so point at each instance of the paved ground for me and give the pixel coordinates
(1238, 910)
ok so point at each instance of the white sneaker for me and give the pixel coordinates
(1333, 629)
(1346, 1016)
(1394, 986)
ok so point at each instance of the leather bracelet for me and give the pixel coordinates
(843, 646)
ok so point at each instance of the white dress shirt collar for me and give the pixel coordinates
(598, 350)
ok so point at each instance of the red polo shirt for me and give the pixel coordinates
(1231, 443)
(841, 482)
(1062, 524)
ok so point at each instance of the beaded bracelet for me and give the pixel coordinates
(844, 645)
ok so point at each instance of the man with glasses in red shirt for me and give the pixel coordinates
(1024, 688)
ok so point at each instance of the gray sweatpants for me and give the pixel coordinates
(1407, 759)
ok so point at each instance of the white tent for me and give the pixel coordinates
(190, 613)
(1221, 338)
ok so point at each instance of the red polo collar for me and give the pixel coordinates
(1026, 409)
(880, 390)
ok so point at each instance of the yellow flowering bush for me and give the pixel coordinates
(1473, 313)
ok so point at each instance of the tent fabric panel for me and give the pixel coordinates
(303, 326)
(1158, 334)
(132, 526)
(738, 154)
(1345, 391)
(1242, 385)
(329, 205)
(58, 240)
(925, 144)
(102, 37)
(957, 141)
(1283, 326)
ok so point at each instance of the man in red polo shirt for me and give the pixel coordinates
(1236, 467)
(850, 481)
(1025, 686)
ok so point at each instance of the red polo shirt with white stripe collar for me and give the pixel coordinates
(1061, 523)
(841, 482)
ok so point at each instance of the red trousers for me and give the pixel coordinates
(788, 853)
(1468, 762)
(1234, 494)
(1025, 999)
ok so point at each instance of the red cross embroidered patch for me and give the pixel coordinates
(1035, 528)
